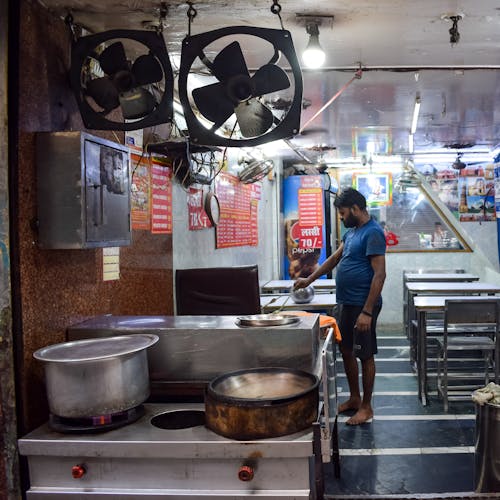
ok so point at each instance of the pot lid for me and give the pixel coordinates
(95, 349)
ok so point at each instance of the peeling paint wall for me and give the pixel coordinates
(9, 475)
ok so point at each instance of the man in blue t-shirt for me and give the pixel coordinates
(360, 261)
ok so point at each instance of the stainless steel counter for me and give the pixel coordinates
(199, 348)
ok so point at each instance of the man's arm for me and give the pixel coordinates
(377, 262)
(326, 267)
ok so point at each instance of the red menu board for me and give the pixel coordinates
(198, 218)
(140, 196)
(310, 217)
(161, 196)
(238, 220)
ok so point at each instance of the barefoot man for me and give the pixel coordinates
(360, 261)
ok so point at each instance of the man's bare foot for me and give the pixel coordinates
(362, 416)
(350, 404)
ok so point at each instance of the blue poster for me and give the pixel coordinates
(305, 241)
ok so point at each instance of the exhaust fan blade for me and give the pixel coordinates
(104, 93)
(269, 78)
(229, 62)
(137, 103)
(146, 69)
(113, 59)
(213, 103)
(253, 118)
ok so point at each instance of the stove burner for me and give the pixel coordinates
(101, 423)
(179, 419)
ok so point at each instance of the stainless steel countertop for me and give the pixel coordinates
(143, 440)
(160, 323)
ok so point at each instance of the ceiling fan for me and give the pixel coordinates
(230, 110)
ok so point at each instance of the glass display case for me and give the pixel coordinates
(410, 218)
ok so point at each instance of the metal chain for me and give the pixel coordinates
(161, 17)
(191, 13)
(276, 9)
(69, 21)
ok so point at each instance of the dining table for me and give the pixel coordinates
(414, 288)
(459, 277)
(284, 302)
(424, 305)
(278, 286)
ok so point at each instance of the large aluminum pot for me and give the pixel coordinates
(261, 403)
(94, 377)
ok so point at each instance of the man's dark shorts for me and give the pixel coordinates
(366, 343)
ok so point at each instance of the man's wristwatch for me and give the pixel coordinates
(367, 313)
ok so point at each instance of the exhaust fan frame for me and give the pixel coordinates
(84, 47)
(193, 47)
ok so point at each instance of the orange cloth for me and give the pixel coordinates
(324, 322)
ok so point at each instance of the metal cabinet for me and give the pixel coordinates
(83, 188)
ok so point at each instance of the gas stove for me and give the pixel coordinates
(147, 460)
(168, 453)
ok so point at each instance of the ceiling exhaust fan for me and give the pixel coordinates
(233, 104)
(115, 91)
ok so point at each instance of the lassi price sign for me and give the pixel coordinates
(308, 232)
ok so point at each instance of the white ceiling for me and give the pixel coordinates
(403, 47)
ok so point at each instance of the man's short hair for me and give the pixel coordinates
(350, 197)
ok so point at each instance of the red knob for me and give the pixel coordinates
(245, 473)
(78, 471)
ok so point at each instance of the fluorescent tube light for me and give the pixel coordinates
(416, 111)
(410, 143)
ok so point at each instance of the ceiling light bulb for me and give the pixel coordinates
(314, 56)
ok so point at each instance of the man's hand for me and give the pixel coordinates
(301, 283)
(363, 323)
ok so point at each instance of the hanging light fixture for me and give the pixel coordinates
(453, 31)
(314, 56)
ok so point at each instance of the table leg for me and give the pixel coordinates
(422, 356)
(410, 312)
(405, 311)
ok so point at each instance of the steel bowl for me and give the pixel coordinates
(302, 295)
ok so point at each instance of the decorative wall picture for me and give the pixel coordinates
(476, 198)
(371, 141)
(468, 193)
(376, 188)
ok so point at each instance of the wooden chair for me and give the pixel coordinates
(470, 326)
(217, 291)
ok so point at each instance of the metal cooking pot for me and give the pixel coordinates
(261, 403)
(94, 377)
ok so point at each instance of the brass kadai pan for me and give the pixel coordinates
(261, 403)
